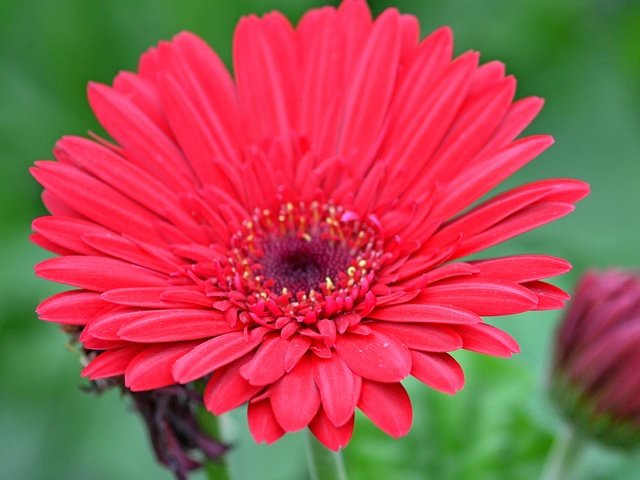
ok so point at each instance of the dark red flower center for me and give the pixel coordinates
(308, 261)
(300, 264)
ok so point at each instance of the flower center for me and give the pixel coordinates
(310, 260)
(302, 264)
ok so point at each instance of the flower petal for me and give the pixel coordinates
(438, 370)
(151, 368)
(424, 313)
(481, 296)
(430, 338)
(295, 399)
(171, 325)
(262, 422)
(97, 273)
(227, 389)
(215, 353)
(484, 338)
(111, 363)
(329, 435)
(75, 307)
(388, 406)
(339, 388)
(267, 365)
(375, 356)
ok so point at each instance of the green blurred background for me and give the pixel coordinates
(583, 56)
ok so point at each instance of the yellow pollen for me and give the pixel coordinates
(329, 283)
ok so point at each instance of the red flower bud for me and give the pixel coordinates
(596, 370)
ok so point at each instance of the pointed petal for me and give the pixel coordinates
(523, 268)
(371, 86)
(430, 338)
(481, 296)
(110, 363)
(97, 273)
(424, 313)
(262, 422)
(67, 232)
(295, 399)
(173, 325)
(438, 370)
(329, 435)
(215, 353)
(147, 144)
(227, 389)
(339, 388)
(151, 368)
(267, 365)
(96, 200)
(375, 356)
(484, 338)
(75, 307)
(388, 406)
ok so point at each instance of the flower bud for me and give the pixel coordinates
(596, 371)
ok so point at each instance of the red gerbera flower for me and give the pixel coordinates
(295, 231)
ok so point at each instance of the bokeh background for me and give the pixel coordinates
(583, 56)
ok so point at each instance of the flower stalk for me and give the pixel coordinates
(563, 455)
(210, 424)
(324, 464)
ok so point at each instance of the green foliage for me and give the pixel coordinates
(583, 56)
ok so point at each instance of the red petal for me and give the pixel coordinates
(75, 307)
(484, 338)
(118, 172)
(97, 273)
(96, 200)
(549, 296)
(423, 313)
(173, 325)
(371, 86)
(483, 175)
(215, 353)
(523, 268)
(267, 365)
(295, 399)
(524, 220)
(143, 297)
(388, 406)
(111, 363)
(67, 232)
(430, 338)
(119, 247)
(151, 368)
(143, 141)
(265, 49)
(375, 356)
(339, 388)
(438, 370)
(329, 435)
(262, 422)
(227, 389)
(297, 348)
(481, 296)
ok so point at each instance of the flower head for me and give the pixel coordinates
(595, 378)
(294, 233)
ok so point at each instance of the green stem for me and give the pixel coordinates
(324, 464)
(210, 424)
(563, 455)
